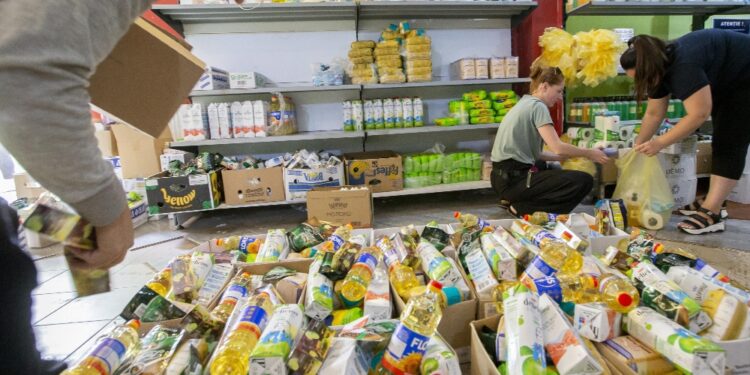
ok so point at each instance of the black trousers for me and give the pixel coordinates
(18, 353)
(731, 136)
(550, 190)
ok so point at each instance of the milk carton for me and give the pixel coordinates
(562, 344)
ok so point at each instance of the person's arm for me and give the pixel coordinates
(652, 119)
(697, 107)
(550, 156)
(549, 135)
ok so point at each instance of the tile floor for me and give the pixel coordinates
(66, 326)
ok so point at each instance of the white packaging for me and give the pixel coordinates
(697, 285)
(523, 332)
(408, 111)
(345, 357)
(678, 166)
(214, 283)
(464, 69)
(358, 114)
(274, 248)
(198, 123)
(521, 253)
(497, 67)
(185, 121)
(377, 303)
(501, 262)
(389, 113)
(398, 113)
(213, 121)
(686, 350)
(481, 274)
(282, 328)
(418, 112)
(213, 79)
(436, 265)
(683, 190)
(562, 344)
(318, 293)
(244, 80)
(377, 113)
(348, 119)
(235, 113)
(482, 68)
(597, 322)
(461, 284)
(439, 358)
(369, 115)
(511, 67)
(260, 117)
(728, 315)
(224, 121)
(247, 125)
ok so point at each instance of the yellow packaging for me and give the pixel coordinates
(362, 60)
(360, 52)
(389, 63)
(390, 71)
(418, 40)
(366, 72)
(420, 78)
(388, 44)
(412, 64)
(630, 357)
(364, 81)
(393, 78)
(418, 48)
(389, 51)
(357, 67)
(419, 71)
(727, 313)
(390, 35)
(419, 55)
(363, 44)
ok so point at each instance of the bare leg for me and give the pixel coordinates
(717, 192)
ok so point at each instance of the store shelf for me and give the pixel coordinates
(473, 185)
(473, 82)
(263, 12)
(430, 129)
(269, 90)
(303, 136)
(632, 8)
(444, 9)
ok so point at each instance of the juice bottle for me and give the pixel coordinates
(237, 289)
(161, 282)
(409, 341)
(402, 277)
(618, 293)
(580, 288)
(470, 221)
(541, 218)
(358, 278)
(232, 356)
(110, 351)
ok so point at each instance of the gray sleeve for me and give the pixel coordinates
(541, 115)
(47, 54)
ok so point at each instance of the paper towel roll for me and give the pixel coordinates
(626, 132)
(604, 144)
(620, 145)
(584, 134)
(651, 220)
(630, 143)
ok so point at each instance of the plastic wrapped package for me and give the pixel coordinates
(419, 71)
(328, 74)
(389, 62)
(645, 190)
(390, 71)
(282, 119)
(418, 55)
(388, 44)
(363, 44)
(387, 51)
(366, 70)
(360, 52)
(418, 40)
(414, 64)
(393, 78)
(362, 60)
(365, 81)
(422, 48)
(420, 77)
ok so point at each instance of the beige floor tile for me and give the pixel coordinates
(45, 304)
(104, 306)
(59, 340)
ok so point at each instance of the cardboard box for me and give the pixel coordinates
(253, 185)
(341, 206)
(213, 79)
(683, 190)
(486, 170)
(380, 170)
(297, 182)
(609, 171)
(106, 141)
(703, 158)
(245, 80)
(678, 166)
(138, 213)
(741, 192)
(27, 187)
(167, 194)
(139, 152)
(481, 361)
(580, 225)
(737, 359)
(145, 78)
(628, 356)
(167, 157)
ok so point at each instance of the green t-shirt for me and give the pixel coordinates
(517, 137)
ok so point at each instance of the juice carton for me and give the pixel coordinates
(596, 321)
(630, 356)
(562, 344)
(270, 354)
(319, 292)
(523, 332)
(503, 265)
(689, 352)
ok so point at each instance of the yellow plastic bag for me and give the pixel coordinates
(645, 190)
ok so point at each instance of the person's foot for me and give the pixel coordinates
(692, 209)
(504, 204)
(512, 211)
(701, 222)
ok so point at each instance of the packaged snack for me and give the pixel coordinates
(664, 295)
(360, 52)
(479, 104)
(305, 235)
(417, 48)
(149, 304)
(388, 51)
(481, 120)
(414, 64)
(418, 55)
(417, 40)
(275, 247)
(561, 342)
(523, 332)
(311, 349)
(388, 62)
(420, 78)
(476, 95)
(393, 78)
(482, 112)
(270, 354)
(157, 347)
(388, 44)
(390, 71)
(363, 44)
(184, 281)
(688, 352)
(344, 317)
(362, 60)
(419, 71)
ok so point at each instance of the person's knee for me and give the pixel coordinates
(581, 182)
(728, 160)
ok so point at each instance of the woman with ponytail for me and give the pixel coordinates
(709, 70)
(519, 170)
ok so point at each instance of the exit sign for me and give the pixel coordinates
(741, 26)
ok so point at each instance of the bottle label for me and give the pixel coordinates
(550, 286)
(234, 293)
(245, 242)
(539, 237)
(253, 319)
(369, 261)
(538, 269)
(110, 352)
(481, 223)
(337, 241)
(390, 256)
(406, 348)
(705, 269)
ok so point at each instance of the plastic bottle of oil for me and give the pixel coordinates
(541, 218)
(497, 294)
(237, 289)
(340, 236)
(358, 278)
(449, 295)
(401, 276)
(233, 355)
(161, 283)
(470, 221)
(409, 341)
(554, 255)
(110, 351)
(618, 293)
(245, 244)
(580, 288)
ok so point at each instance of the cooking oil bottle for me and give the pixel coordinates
(401, 276)
(470, 221)
(579, 288)
(618, 293)
(161, 283)
(237, 289)
(449, 295)
(497, 294)
(358, 278)
(110, 351)
(541, 218)
(409, 341)
(554, 255)
(245, 244)
(233, 355)
(340, 236)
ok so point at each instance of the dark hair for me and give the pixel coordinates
(648, 56)
(551, 75)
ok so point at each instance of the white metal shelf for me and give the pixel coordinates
(429, 129)
(272, 89)
(472, 82)
(634, 8)
(444, 9)
(303, 136)
(263, 12)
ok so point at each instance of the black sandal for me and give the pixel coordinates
(513, 212)
(692, 208)
(698, 224)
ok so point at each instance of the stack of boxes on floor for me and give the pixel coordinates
(679, 164)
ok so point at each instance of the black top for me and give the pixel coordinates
(715, 57)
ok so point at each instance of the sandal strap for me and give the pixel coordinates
(696, 221)
(715, 217)
(692, 206)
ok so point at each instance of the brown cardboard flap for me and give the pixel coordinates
(341, 206)
(481, 362)
(370, 155)
(145, 78)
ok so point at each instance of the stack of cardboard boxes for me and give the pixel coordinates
(679, 164)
